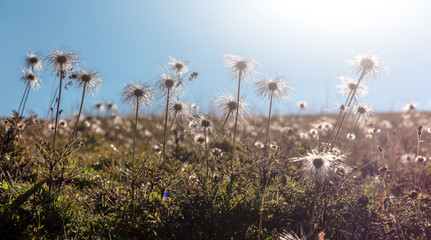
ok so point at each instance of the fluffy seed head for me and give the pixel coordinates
(240, 66)
(62, 61)
(348, 86)
(302, 105)
(368, 65)
(180, 109)
(199, 139)
(179, 67)
(275, 87)
(410, 107)
(89, 78)
(168, 82)
(137, 94)
(322, 167)
(29, 77)
(226, 104)
(362, 110)
(33, 61)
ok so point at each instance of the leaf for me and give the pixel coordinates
(5, 186)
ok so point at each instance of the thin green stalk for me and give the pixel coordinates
(134, 132)
(348, 106)
(58, 107)
(206, 151)
(23, 96)
(25, 101)
(166, 123)
(267, 127)
(268, 174)
(221, 129)
(236, 119)
(353, 129)
(79, 113)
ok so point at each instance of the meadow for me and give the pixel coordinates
(223, 174)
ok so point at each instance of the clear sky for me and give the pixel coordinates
(308, 42)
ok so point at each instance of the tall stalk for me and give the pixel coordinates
(79, 113)
(348, 106)
(23, 96)
(236, 119)
(58, 106)
(166, 125)
(268, 174)
(134, 132)
(221, 129)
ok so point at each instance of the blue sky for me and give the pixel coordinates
(308, 42)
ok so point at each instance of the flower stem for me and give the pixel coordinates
(348, 106)
(79, 113)
(267, 127)
(134, 132)
(58, 107)
(23, 96)
(236, 120)
(166, 123)
(221, 129)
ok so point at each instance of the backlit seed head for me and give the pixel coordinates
(420, 159)
(31, 78)
(273, 87)
(368, 65)
(240, 66)
(179, 67)
(137, 94)
(180, 110)
(199, 139)
(259, 145)
(302, 105)
(89, 78)
(348, 86)
(62, 61)
(33, 61)
(226, 105)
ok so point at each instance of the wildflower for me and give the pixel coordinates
(273, 88)
(322, 167)
(62, 123)
(240, 66)
(179, 67)
(33, 61)
(259, 144)
(367, 65)
(157, 148)
(88, 79)
(408, 158)
(31, 78)
(274, 147)
(226, 105)
(180, 110)
(348, 86)
(362, 110)
(112, 107)
(351, 136)
(199, 139)
(202, 123)
(313, 132)
(168, 83)
(62, 60)
(410, 107)
(302, 105)
(420, 159)
(99, 106)
(137, 94)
